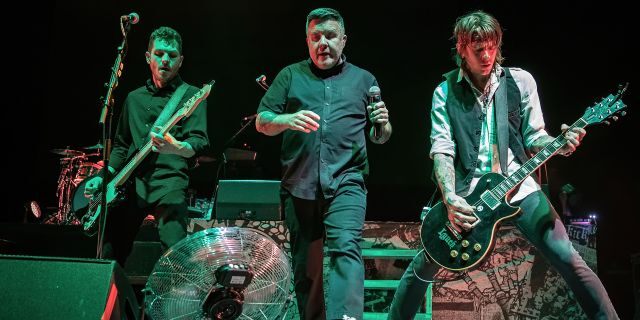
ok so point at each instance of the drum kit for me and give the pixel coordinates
(75, 169)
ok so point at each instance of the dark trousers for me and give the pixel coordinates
(541, 225)
(340, 220)
(124, 220)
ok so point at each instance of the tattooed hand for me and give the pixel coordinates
(459, 212)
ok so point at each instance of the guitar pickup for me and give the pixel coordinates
(453, 231)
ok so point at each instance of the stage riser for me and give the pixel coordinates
(514, 270)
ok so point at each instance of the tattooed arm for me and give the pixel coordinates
(444, 172)
(457, 207)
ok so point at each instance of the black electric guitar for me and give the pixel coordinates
(115, 188)
(458, 251)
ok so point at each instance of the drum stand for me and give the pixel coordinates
(64, 192)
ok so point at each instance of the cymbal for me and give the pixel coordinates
(94, 147)
(68, 152)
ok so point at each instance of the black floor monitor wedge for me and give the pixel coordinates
(248, 200)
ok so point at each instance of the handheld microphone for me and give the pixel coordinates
(132, 17)
(375, 97)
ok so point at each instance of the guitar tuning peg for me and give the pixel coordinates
(623, 113)
(606, 122)
(615, 118)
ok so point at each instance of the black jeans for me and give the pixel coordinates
(124, 220)
(541, 225)
(340, 220)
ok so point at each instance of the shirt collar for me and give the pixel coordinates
(170, 87)
(463, 74)
(494, 78)
(335, 70)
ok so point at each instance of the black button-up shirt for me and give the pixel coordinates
(159, 173)
(316, 163)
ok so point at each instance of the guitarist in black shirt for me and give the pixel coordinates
(159, 183)
(487, 118)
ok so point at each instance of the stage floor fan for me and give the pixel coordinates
(220, 273)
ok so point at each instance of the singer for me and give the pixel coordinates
(320, 107)
(160, 182)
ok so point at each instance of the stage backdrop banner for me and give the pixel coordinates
(515, 282)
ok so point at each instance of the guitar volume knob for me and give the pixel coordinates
(453, 253)
(465, 243)
(477, 247)
(465, 256)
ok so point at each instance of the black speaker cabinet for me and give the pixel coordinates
(248, 200)
(141, 261)
(64, 288)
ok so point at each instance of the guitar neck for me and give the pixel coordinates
(534, 163)
(128, 169)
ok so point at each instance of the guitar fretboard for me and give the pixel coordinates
(534, 163)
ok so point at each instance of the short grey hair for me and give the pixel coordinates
(324, 14)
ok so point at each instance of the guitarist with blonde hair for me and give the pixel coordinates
(158, 184)
(487, 118)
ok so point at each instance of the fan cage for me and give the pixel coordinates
(185, 274)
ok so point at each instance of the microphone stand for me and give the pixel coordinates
(105, 121)
(223, 162)
(262, 82)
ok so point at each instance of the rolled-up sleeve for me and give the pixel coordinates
(441, 134)
(531, 110)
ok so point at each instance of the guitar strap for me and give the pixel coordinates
(170, 107)
(502, 123)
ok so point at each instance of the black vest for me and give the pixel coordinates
(466, 117)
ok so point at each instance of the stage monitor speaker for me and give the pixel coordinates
(141, 261)
(248, 200)
(64, 288)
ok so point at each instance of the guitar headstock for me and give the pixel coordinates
(609, 108)
(202, 94)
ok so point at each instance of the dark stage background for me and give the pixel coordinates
(58, 55)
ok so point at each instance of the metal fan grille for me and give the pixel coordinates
(184, 275)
